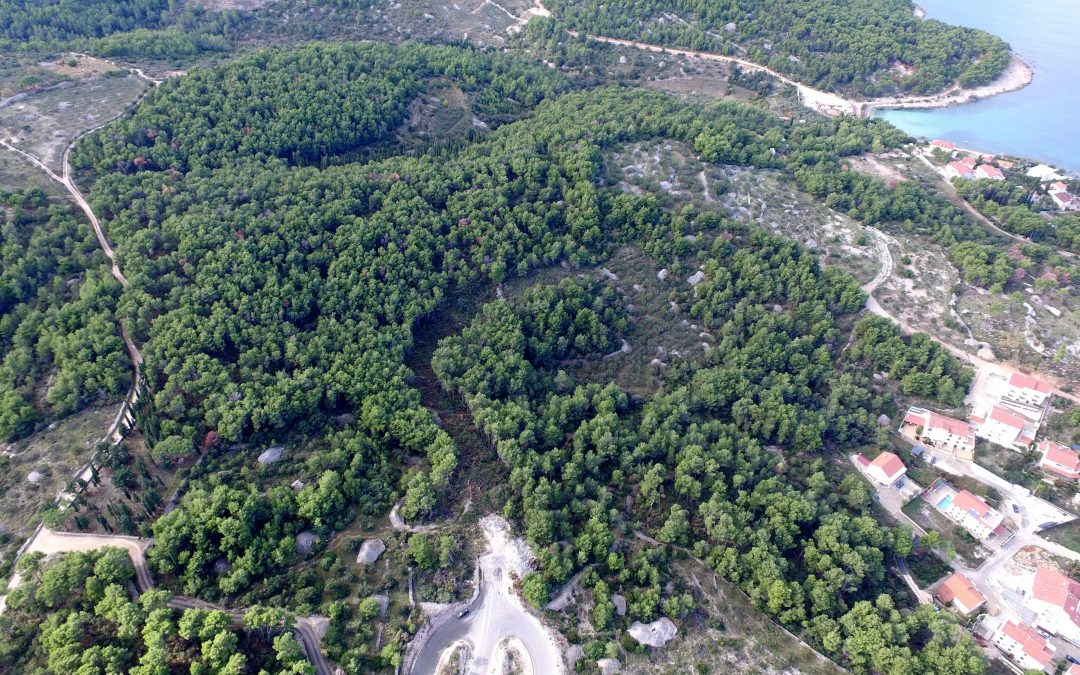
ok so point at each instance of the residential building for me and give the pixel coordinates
(1066, 201)
(989, 171)
(1044, 172)
(1027, 390)
(974, 515)
(944, 145)
(1004, 427)
(959, 169)
(1056, 599)
(946, 433)
(1057, 187)
(862, 461)
(958, 591)
(886, 469)
(1060, 459)
(1027, 648)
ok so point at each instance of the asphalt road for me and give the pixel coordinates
(496, 614)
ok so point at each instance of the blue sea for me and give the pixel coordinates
(1041, 121)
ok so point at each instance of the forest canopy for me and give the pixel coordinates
(866, 47)
(282, 245)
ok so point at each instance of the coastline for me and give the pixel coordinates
(1015, 77)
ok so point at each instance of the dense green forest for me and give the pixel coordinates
(60, 347)
(64, 19)
(74, 615)
(837, 45)
(281, 251)
(1013, 208)
(726, 460)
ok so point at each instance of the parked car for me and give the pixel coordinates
(462, 613)
(933, 460)
(1016, 509)
(1071, 659)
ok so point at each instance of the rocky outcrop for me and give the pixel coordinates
(655, 634)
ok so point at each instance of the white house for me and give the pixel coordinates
(1027, 389)
(974, 515)
(958, 591)
(1004, 427)
(1066, 201)
(1027, 648)
(1056, 599)
(946, 433)
(886, 469)
(1061, 460)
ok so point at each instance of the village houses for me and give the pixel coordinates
(958, 591)
(1056, 599)
(1059, 459)
(886, 469)
(974, 515)
(940, 431)
(1004, 427)
(1027, 648)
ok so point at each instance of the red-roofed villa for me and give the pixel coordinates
(1061, 460)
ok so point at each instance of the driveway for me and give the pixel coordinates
(495, 615)
(893, 498)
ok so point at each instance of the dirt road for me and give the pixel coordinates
(1016, 76)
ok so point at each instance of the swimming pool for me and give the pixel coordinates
(945, 503)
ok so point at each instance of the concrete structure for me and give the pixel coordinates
(974, 515)
(958, 591)
(1059, 459)
(989, 171)
(1027, 390)
(1027, 648)
(1055, 598)
(1044, 172)
(1004, 427)
(945, 433)
(886, 469)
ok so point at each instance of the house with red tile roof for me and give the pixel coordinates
(1024, 646)
(941, 431)
(944, 145)
(1004, 427)
(1074, 669)
(1055, 598)
(1066, 201)
(1059, 459)
(959, 169)
(989, 171)
(1057, 187)
(958, 591)
(974, 515)
(1027, 389)
(886, 469)
(862, 461)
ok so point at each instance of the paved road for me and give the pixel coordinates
(496, 614)
(1016, 76)
(1033, 512)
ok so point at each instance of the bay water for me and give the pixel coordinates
(1041, 121)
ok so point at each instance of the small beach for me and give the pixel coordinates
(1023, 113)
